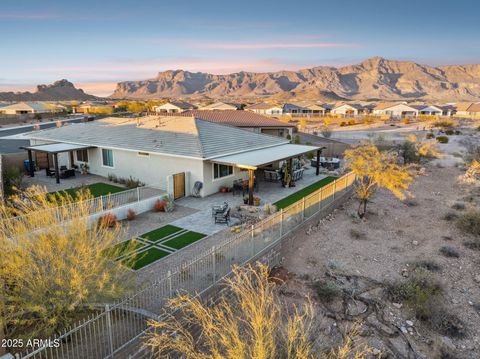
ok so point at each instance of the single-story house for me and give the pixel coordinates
(349, 110)
(265, 109)
(396, 110)
(174, 107)
(173, 153)
(221, 106)
(245, 120)
(21, 108)
(435, 110)
(306, 109)
(469, 109)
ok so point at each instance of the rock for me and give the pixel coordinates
(409, 323)
(403, 329)
(477, 278)
(397, 305)
(404, 272)
(415, 243)
(376, 351)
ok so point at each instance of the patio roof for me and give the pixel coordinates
(257, 158)
(56, 147)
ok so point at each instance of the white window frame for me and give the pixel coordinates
(221, 178)
(113, 158)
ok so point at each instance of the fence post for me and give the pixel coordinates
(101, 203)
(138, 194)
(109, 329)
(214, 265)
(303, 209)
(169, 277)
(253, 241)
(281, 222)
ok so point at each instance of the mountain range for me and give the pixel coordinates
(58, 91)
(372, 79)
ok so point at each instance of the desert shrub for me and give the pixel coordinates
(343, 124)
(131, 214)
(108, 220)
(326, 132)
(429, 136)
(469, 222)
(297, 140)
(420, 292)
(159, 205)
(352, 122)
(356, 234)
(447, 323)
(442, 139)
(406, 121)
(269, 208)
(475, 245)
(133, 183)
(426, 264)
(449, 251)
(12, 180)
(449, 132)
(450, 216)
(122, 180)
(459, 206)
(326, 290)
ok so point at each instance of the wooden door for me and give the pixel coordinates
(179, 185)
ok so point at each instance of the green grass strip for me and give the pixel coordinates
(297, 196)
(184, 240)
(159, 233)
(140, 260)
(123, 248)
(96, 189)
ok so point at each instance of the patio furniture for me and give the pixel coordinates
(67, 173)
(271, 176)
(297, 175)
(242, 186)
(219, 209)
(223, 217)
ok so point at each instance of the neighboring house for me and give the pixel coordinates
(21, 108)
(469, 109)
(94, 107)
(174, 107)
(306, 109)
(221, 106)
(246, 120)
(396, 110)
(435, 110)
(265, 109)
(350, 110)
(169, 152)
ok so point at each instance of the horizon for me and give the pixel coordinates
(100, 44)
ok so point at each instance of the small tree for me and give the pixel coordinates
(297, 140)
(375, 169)
(54, 263)
(415, 150)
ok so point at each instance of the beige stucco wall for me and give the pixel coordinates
(211, 186)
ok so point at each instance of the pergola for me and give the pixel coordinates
(252, 160)
(53, 149)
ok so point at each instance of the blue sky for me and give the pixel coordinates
(98, 43)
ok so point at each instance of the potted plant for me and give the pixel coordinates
(84, 167)
(159, 205)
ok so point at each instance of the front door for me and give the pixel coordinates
(179, 185)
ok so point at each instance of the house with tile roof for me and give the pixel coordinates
(174, 107)
(221, 106)
(396, 109)
(350, 110)
(155, 149)
(265, 109)
(21, 108)
(306, 109)
(468, 110)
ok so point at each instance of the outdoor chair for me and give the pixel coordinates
(219, 209)
(271, 176)
(223, 217)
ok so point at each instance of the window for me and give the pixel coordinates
(220, 171)
(82, 155)
(107, 157)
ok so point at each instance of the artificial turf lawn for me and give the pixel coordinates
(142, 259)
(297, 196)
(123, 248)
(160, 233)
(183, 240)
(96, 189)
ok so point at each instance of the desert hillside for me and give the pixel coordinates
(375, 78)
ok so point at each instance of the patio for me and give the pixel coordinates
(269, 192)
(79, 180)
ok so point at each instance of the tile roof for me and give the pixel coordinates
(180, 104)
(221, 106)
(170, 135)
(236, 118)
(464, 106)
(261, 106)
(474, 108)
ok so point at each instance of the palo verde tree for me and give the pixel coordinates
(376, 169)
(248, 321)
(53, 265)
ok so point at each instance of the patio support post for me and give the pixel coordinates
(47, 169)
(319, 152)
(251, 182)
(57, 173)
(290, 170)
(31, 169)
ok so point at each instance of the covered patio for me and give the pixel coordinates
(53, 149)
(268, 160)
